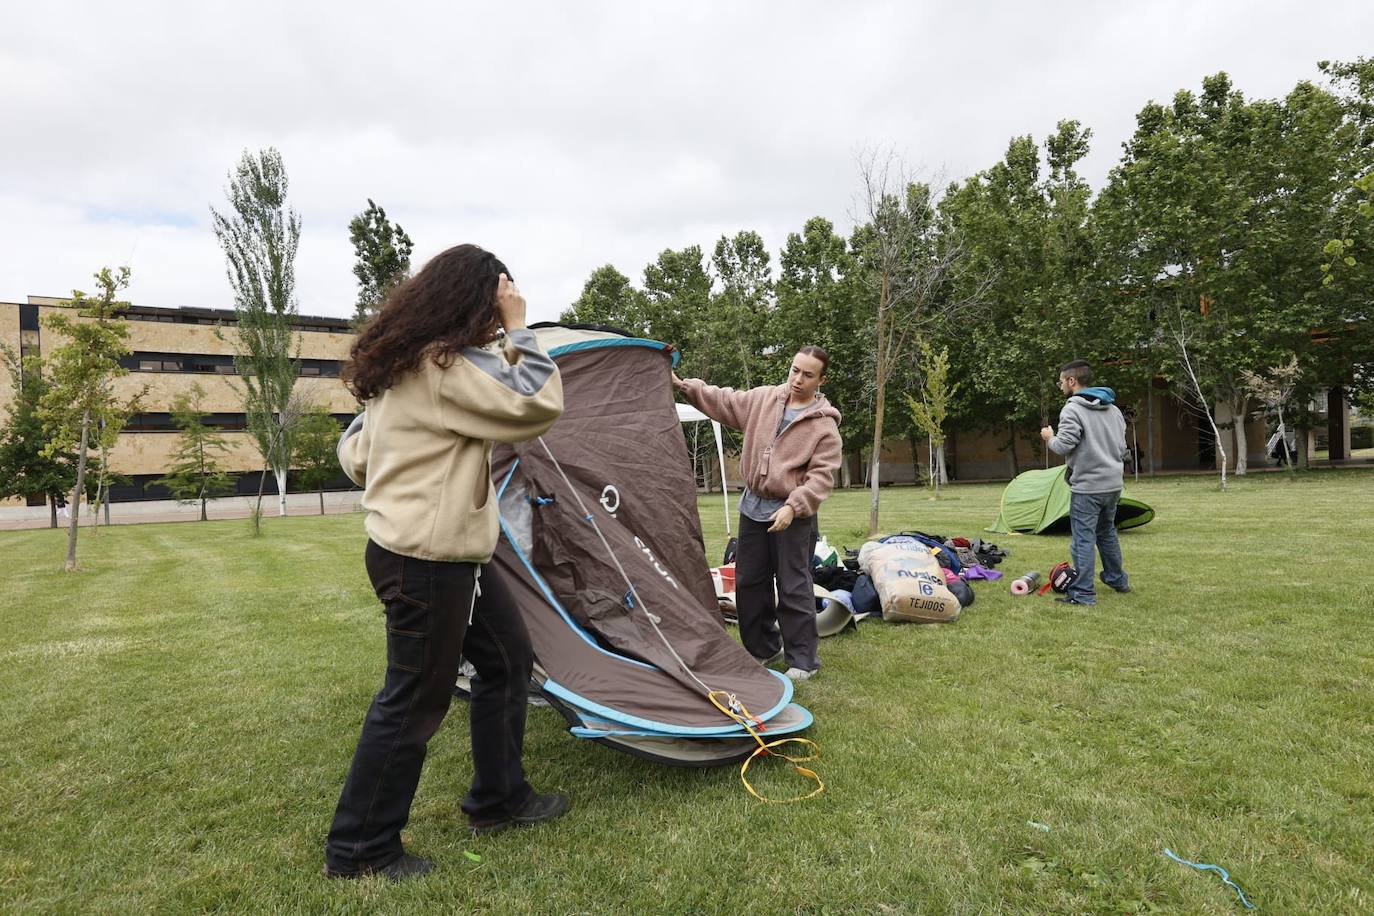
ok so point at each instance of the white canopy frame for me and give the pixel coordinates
(686, 413)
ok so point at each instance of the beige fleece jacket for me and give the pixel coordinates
(422, 448)
(799, 465)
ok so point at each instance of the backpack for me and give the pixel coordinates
(1061, 577)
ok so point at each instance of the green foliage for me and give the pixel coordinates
(820, 300)
(260, 236)
(928, 414)
(317, 461)
(738, 313)
(677, 290)
(1026, 237)
(79, 407)
(382, 251)
(196, 474)
(27, 467)
(608, 299)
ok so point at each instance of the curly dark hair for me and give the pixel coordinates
(450, 304)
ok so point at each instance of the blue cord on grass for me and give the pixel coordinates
(1225, 877)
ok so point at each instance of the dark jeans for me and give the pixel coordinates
(1092, 517)
(784, 556)
(428, 606)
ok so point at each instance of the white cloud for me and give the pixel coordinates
(563, 136)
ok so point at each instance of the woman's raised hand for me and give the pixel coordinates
(510, 304)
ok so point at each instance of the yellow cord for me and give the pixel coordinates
(765, 749)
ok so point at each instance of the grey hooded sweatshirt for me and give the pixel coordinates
(1092, 439)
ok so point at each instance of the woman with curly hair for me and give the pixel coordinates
(436, 397)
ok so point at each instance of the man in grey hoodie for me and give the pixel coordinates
(1092, 439)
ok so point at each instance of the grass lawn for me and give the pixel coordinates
(178, 718)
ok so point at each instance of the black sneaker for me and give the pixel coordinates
(536, 809)
(1123, 589)
(1067, 600)
(407, 866)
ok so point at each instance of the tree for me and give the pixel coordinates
(738, 312)
(317, 440)
(819, 300)
(1181, 333)
(1219, 208)
(609, 300)
(196, 474)
(259, 236)
(1274, 390)
(26, 468)
(677, 292)
(83, 370)
(383, 258)
(928, 414)
(1025, 232)
(911, 269)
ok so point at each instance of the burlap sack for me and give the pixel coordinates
(909, 583)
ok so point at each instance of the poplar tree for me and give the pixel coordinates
(383, 251)
(259, 235)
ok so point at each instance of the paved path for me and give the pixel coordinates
(136, 513)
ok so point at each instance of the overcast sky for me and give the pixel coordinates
(561, 135)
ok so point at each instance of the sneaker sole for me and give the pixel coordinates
(488, 829)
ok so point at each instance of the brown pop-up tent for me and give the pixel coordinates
(602, 546)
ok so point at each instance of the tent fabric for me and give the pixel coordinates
(620, 445)
(1037, 502)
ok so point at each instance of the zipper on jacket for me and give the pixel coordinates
(476, 590)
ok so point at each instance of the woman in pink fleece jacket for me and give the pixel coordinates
(792, 448)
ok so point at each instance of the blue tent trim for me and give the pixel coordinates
(614, 342)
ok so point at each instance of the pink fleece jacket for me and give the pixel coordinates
(798, 466)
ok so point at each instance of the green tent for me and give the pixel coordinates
(1037, 502)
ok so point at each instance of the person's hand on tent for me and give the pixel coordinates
(677, 382)
(782, 519)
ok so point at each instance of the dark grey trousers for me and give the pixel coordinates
(789, 622)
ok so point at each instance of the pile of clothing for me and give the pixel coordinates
(957, 561)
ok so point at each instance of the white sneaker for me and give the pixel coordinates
(799, 674)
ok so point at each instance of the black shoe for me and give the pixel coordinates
(536, 809)
(407, 866)
(1123, 589)
(1067, 600)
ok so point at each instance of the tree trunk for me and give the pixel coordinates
(257, 512)
(1135, 451)
(322, 499)
(1288, 457)
(875, 461)
(881, 377)
(72, 528)
(52, 509)
(281, 490)
(1239, 405)
(1150, 423)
